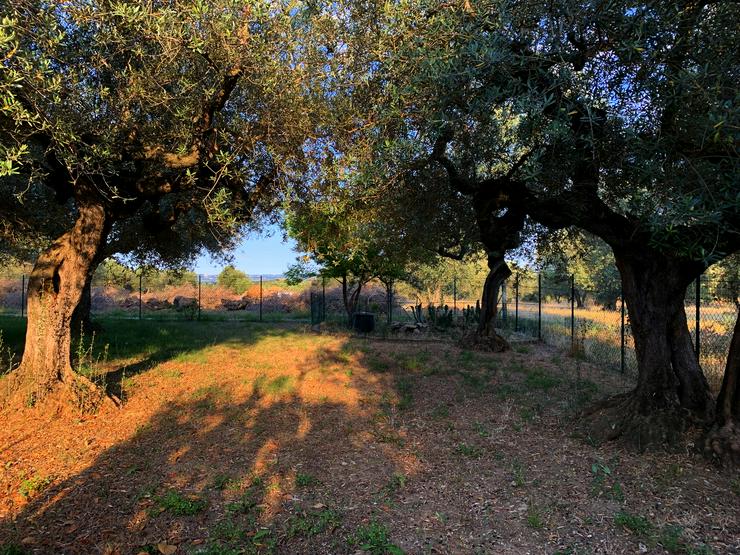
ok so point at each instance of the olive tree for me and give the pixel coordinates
(118, 115)
(615, 118)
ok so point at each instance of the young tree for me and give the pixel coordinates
(234, 280)
(121, 115)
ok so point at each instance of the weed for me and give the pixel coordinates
(413, 363)
(506, 390)
(34, 485)
(374, 538)
(535, 518)
(527, 414)
(179, 505)
(735, 486)
(518, 471)
(404, 387)
(604, 483)
(469, 451)
(7, 358)
(222, 482)
(244, 505)
(11, 549)
(397, 483)
(670, 538)
(305, 480)
(480, 429)
(311, 523)
(636, 524)
(228, 530)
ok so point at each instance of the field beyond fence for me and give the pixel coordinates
(553, 310)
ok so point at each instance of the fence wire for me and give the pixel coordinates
(591, 324)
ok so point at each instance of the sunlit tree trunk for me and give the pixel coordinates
(55, 288)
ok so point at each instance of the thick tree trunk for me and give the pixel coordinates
(55, 288)
(722, 442)
(485, 336)
(672, 392)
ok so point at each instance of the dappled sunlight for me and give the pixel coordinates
(295, 440)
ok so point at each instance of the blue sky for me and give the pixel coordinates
(259, 254)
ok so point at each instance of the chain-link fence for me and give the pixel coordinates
(587, 323)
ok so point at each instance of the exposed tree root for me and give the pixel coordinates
(489, 343)
(74, 392)
(621, 418)
(722, 444)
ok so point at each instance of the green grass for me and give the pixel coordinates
(404, 387)
(244, 505)
(535, 517)
(180, 505)
(312, 523)
(305, 480)
(469, 451)
(636, 524)
(518, 474)
(537, 379)
(374, 538)
(222, 482)
(279, 385)
(12, 549)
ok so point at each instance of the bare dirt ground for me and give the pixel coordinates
(236, 438)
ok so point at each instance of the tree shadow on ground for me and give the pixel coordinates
(210, 474)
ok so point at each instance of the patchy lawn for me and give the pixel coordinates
(241, 438)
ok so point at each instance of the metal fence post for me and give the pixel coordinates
(140, 294)
(516, 303)
(199, 277)
(23, 295)
(622, 333)
(260, 298)
(572, 312)
(539, 306)
(323, 298)
(698, 317)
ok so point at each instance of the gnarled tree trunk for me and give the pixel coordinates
(722, 442)
(486, 336)
(55, 288)
(671, 391)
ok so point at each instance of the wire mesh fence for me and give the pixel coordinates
(586, 323)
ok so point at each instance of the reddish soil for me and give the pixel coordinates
(291, 442)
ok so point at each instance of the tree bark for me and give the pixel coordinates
(486, 337)
(55, 288)
(350, 297)
(722, 442)
(672, 392)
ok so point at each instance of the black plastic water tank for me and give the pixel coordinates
(363, 322)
